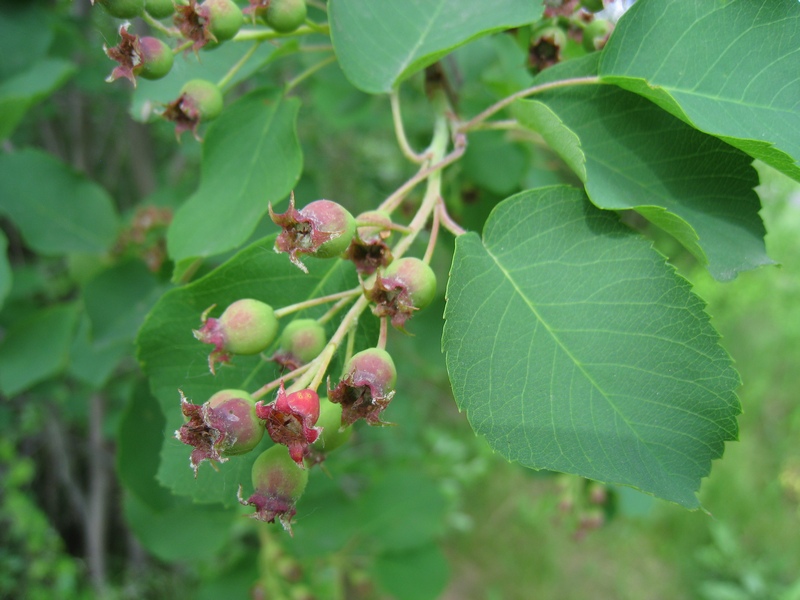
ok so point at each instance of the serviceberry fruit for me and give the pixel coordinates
(278, 485)
(199, 101)
(224, 426)
(122, 9)
(592, 5)
(301, 342)
(596, 33)
(283, 16)
(366, 388)
(322, 229)
(545, 48)
(405, 286)
(160, 9)
(193, 23)
(224, 18)
(290, 420)
(369, 250)
(333, 435)
(246, 327)
(146, 57)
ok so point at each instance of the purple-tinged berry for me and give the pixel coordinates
(146, 57)
(322, 229)
(366, 388)
(369, 250)
(224, 18)
(301, 342)
(224, 426)
(278, 484)
(199, 101)
(246, 327)
(405, 286)
(122, 9)
(160, 9)
(290, 420)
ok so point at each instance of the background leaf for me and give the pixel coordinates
(381, 43)
(633, 155)
(251, 157)
(574, 347)
(6, 276)
(36, 348)
(727, 68)
(174, 360)
(56, 209)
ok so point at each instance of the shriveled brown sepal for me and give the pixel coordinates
(290, 421)
(392, 299)
(270, 507)
(193, 23)
(300, 234)
(128, 53)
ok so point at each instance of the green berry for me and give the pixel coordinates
(330, 420)
(304, 339)
(157, 58)
(249, 326)
(224, 18)
(123, 9)
(203, 97)
(285, 16)
(417, 278)
(160, 9)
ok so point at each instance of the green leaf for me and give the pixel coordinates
(419, 575)
(251, 157)
(633, 155)
(173, 359)
(379, 44)
(56, 209)
(494, 163)
(727, 68)
(25, 36)
(93, 363)
(118, 299)
(36, 348)
(6, 275)
(574, 347)
(19, 94)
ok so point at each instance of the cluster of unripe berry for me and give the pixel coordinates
(303, 426)
(202, 26)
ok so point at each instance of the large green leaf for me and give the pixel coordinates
(574, 347)
(174, 360)
(6, 275)
(251, 157)
(633, 155)
(20, 93)
(56, 209)
(728, 68)
(36, 348)
(381, 43)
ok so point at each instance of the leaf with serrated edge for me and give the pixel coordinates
(573, 346)
(728, 68)
(251, 157)
(379, 44)
(633, 155)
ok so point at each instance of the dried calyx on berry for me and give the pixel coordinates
(224, 426)
(322, 229)
(199, 101)
(246, 327)
(209, 23)
(284, 16)
(278, 485)
(122, 9)
(301, 342)
(146, 57)
(405, 286)
(596, 34)
(366, 388)
(545, 48)
(290, 421)
(369, 250)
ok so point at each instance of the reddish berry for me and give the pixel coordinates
(322, 229)
(283, 16)
(160, 9)
(224, 426)
(366, 388)
(407, 285)
(278, 485)
(146, 57)
(301, 342)
(199, 101)
(246, 327)
(290, 421)
(122, 9)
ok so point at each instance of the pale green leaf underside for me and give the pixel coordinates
(730, 68)
(379, 44)
(633, 155)
(251, 157)
(573, 346)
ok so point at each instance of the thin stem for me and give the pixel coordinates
(383, 334)
(184, 46)
(319, 28)
(399, 131)
(159, 26)
(536, 89)
(316, 48)
(447, 221)
(262, 35)
(287, 310)
(275, 384)
(226, 79)
(434, 234)
(333, 310)
(309, 72)
(506, 124)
